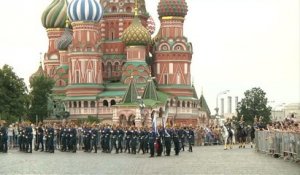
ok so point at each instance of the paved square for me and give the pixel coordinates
(204, 160)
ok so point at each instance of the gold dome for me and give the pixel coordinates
(136, 34)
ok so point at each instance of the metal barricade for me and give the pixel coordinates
(297, 141)
(279, 144)
(271, 142)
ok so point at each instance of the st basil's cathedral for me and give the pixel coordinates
(105, 63)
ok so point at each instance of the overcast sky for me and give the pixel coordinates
(238, 44)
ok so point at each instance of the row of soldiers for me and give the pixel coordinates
(127, 139)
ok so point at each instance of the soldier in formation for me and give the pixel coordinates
(91, 137)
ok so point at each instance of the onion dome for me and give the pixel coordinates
(37, 73)
(172, 8)
(150, 25)
(55, 14)
(65, 40)
(136, 34)
(85, 10)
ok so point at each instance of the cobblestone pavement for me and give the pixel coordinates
(204, 160)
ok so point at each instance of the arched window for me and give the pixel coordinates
(74, 104)
(105, 103)
(109, 69)
(93, 104)
(171, 103)
(79, 104)
(183, 104)
(178, 103)
(114, 9)
(85, 104)
(128, 9)
(112, 102)
(116, 66)
(112, 34)
(188, 104)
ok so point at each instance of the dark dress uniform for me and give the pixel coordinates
(63, 136)
(176, 141)
(107, 133)
(167, 139)
(29, 137)
(94, 139)
(120, 135)
(181, 134)
(191, 137)
(134, 142)
(40, 136)
(3, 139)
(73, 140)
(152, 137)
(128, 140)
(142, 141)
(51, 139)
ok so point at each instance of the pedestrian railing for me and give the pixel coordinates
(278, 144)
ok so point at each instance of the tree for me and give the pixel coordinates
(254, 104)
(41, 87)
(13, 94)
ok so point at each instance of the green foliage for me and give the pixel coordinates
(254, 104)
(41, 88)
(13, 93)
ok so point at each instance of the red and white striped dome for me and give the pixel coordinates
(151, 25)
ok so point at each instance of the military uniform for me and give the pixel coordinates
(191, 137)
(73, 139)
(63, 136)
(181, 134)
(167, 140)
(3, 139)
(29, 137)
(152, 137)
(175, 137)
(39, 137)
(50, 139)
(94, 136)
(128, 140)
(120, 134)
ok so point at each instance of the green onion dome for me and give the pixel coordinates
(55, 14)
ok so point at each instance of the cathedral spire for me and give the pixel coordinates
(150, 90)
(136, 8)
(131, 93)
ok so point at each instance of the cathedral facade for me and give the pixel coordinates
(106, 64)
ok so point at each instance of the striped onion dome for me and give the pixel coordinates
(85, 10)
(150, 25)
(172, 8)
(65, 40)
(136, 34)
(55, 14)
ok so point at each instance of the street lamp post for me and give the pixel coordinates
(217, 100)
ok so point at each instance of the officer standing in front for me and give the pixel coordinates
(3, 137)
(29, 137)
(191, 137)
